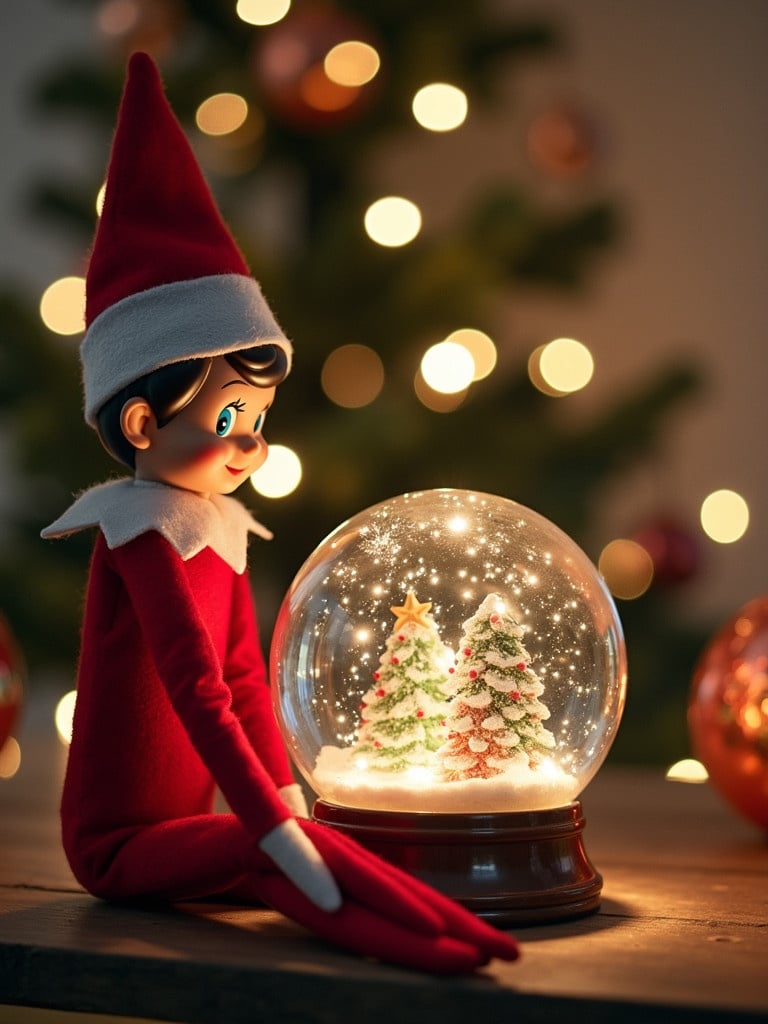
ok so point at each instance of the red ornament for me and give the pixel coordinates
(562, 141)
(377, 675)
(521, 666)
(395, 661)
(472, 674)
(728, 711)
(401, 638)
(380, 692)
(376, 744)
(467, 652)
(451, 670)
(288, 66)
(11, 682)
(419, 714)
(674, 549)
(515, 695)
(494, 618)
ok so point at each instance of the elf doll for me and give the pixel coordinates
(181, 361)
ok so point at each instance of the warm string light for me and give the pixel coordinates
(280, 475)
(626, 567)
(63, 716)
(440, 107)
(262, 12)
(352, 63)
(352, 376)
(448, 367)
(10, 758)
(724, 516)
(561, 367)
(62, 306)
(687, 770)
(221, 114)
(392, 221)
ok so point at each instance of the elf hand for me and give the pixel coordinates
(300, 862)
(293, 797)
(385, 913)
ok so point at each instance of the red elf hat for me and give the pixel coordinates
(165, 281)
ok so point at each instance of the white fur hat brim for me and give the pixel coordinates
(207, 316)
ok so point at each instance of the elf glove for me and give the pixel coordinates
(384, 913)
(293, 796)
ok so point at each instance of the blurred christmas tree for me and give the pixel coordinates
(294, 174)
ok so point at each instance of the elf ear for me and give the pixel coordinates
(136, 422)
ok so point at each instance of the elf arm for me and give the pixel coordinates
(188, 665)
(246, 676)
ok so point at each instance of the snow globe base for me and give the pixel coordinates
(512, 868)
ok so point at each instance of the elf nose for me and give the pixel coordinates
(249, 443)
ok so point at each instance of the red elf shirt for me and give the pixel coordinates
(172, 696)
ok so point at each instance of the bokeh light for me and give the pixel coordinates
(319, 92)
(10, 758)
(100, 199)
(116, 17)
(440, 107)
(392, 221)
(221, 114)
(352, 376)
(561, 367)
(352, 63)
(479, 346)
(63, 715)
(724, 516)
(62, 306)
(448, 367)
(262, 12)
(437, 401)
(687, 770)
(627, 568)
(280, 475)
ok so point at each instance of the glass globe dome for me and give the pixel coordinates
(448, 651)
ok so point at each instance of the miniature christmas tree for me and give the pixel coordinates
(404, 713)
(496, 716)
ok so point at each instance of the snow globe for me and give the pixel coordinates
(449, 673)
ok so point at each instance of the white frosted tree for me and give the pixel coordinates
(496, 715)
(403, 715)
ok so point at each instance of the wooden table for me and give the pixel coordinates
(682, 933)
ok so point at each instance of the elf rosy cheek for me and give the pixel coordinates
(206, 454)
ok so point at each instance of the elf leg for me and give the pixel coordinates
(385, 913)
(180, 859)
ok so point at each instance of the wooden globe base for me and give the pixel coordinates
(516, 868)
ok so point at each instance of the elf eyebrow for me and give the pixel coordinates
(238, 380)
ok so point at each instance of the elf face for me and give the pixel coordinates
(213, 444)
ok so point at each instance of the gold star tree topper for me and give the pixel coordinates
(412, 611)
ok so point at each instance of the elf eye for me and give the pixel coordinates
(259, 422)
(225, 421)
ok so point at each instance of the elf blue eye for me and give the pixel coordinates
(225, 421)
(259, 423)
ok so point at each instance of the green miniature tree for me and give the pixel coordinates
(496, 717)
(404, 714)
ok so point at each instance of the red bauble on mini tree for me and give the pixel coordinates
(728, 711)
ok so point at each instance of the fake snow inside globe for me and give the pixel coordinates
(448, 651)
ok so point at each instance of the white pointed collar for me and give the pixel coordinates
(124, 509)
